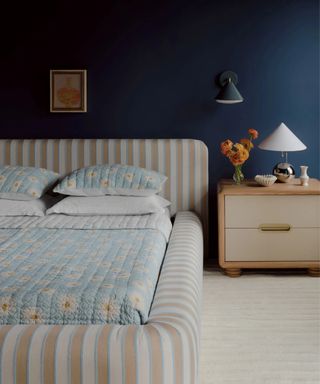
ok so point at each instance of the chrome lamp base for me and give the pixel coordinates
(284, 172)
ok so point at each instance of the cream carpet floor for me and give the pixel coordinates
(260, 328)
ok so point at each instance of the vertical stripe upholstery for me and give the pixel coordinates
(166, 349)
(184, 161)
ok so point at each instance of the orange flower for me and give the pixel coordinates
(240, 155)
(226, 147)
(253, 133)
(247, 144)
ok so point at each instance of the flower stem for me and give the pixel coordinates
(238, 175)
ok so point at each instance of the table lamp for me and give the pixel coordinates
(284, 141)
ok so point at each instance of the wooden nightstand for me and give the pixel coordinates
(269, 227)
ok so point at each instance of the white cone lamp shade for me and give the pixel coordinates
(283, 140)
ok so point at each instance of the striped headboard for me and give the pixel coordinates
(184, 161)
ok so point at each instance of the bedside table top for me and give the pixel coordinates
(251, 187)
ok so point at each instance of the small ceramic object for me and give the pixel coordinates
(304, 178)
(265, 180)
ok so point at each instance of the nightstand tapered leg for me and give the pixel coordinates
(232, 272)
(315, 272)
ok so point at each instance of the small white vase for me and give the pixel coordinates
(304, 178)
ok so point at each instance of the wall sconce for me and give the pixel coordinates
(284, 141)
(228, 93)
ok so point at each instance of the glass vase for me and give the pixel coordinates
(238, 176)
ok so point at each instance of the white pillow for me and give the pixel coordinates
(35, 207)
(110, 205)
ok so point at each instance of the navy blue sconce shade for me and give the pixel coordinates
(228, 93)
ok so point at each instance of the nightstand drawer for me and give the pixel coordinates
(297, 244)
(253, 211)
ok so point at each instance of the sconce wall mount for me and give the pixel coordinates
(228, 93)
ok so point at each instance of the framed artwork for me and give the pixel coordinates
(68, 90)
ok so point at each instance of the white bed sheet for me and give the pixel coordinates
(159, 221)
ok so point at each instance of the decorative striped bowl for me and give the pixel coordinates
(265, 180)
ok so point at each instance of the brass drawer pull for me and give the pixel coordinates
(275, 227)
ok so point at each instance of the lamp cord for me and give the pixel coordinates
(285, 154)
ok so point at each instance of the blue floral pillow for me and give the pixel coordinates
(115, 179)
(25, 183)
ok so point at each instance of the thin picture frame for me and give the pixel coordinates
(68, 90)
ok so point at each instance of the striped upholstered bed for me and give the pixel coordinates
(166, 349)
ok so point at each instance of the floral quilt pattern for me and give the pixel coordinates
(70, 276)
(25, 183)
(114, 179)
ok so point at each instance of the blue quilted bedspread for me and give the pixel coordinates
(71, 276)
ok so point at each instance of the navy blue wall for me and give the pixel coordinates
(152, 67)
